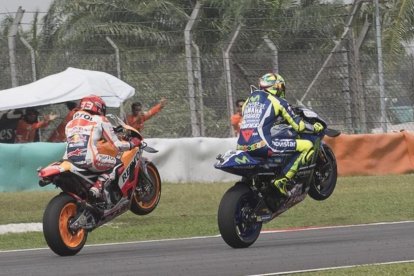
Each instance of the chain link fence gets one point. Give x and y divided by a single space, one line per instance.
345 93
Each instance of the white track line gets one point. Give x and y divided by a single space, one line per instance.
297 229
117 243
216 236
330 268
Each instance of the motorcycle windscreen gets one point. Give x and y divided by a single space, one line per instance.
237 162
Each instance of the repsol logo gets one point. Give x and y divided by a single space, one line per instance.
84 116
130 168
126 174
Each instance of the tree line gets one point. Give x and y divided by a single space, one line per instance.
150 37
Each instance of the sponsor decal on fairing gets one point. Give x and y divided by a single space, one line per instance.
284 143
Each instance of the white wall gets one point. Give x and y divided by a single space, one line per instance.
190 159
178 161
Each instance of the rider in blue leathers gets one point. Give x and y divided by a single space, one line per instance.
270 126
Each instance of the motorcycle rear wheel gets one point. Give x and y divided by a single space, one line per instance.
325 176
56 219
235 222
144 201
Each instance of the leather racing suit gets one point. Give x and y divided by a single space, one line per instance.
83 133
261 113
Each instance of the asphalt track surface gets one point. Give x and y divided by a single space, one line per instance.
272 253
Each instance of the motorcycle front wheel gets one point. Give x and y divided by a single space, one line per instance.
59 213
237 225
148 192
324 176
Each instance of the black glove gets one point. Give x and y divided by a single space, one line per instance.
317 127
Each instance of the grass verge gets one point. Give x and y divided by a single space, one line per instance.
187 210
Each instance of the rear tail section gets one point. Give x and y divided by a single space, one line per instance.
47 173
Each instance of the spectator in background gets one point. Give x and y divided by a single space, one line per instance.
8 124
236 118
59 134
138 116
28 126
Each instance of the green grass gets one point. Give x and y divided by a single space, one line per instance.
187 210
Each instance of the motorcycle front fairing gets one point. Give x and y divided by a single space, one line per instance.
237 162
121 128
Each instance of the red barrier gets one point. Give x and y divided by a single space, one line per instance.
373 154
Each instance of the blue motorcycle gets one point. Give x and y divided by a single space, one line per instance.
253 201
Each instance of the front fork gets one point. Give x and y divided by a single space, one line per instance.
317 149
143 188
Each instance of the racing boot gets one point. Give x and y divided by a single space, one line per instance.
281 186
96 190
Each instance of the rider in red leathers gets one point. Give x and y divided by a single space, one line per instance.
88 126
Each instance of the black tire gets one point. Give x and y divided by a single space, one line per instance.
235 229
144 201
56 218
324 176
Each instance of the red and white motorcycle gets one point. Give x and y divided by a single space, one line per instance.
71 215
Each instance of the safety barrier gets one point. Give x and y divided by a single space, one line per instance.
192 159
18 164
178 160
374 154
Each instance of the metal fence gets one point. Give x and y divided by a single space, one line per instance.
340 84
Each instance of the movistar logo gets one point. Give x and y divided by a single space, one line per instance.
254 98
242 160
